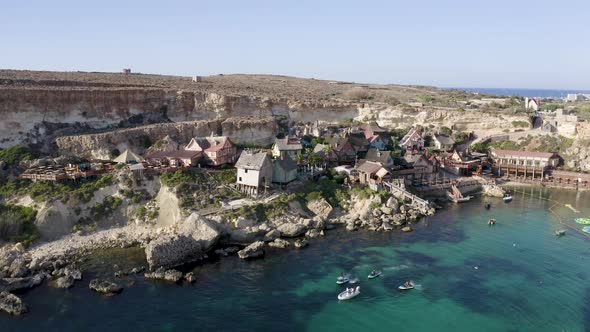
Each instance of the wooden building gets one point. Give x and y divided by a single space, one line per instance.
524 163
217 150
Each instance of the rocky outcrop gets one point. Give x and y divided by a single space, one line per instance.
492 190
279 243
254 250
12 304
291 229
320 207
105 287
172 250
14 284
166 275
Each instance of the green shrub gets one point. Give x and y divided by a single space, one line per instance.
17 224
13 155
141 212
106 207
521 124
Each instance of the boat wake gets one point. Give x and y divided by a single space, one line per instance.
397 267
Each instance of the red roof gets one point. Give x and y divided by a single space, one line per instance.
529 154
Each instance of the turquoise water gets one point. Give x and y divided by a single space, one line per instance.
515 276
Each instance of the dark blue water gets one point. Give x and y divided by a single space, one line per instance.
531 93
516 276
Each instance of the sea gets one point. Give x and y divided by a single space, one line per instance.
531 93
514 276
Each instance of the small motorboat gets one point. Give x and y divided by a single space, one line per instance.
492 222
353 281
586 229
374 274
349 293
583 221
507 198
343 279
560 232
406 286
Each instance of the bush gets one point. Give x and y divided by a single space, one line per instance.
13 155
17 224
141 212
521 124
106 207
357 94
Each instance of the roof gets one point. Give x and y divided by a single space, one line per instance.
382 172
409 135
358 140
182 154
288 144
286 164
526 154
128 156
253 161
211 143
444 139
136 167
338 143
369 167
412 158
375 155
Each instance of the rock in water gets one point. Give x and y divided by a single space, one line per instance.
254 250
272 235
105 287
407 229
291 230
279 243
64 282
190 277
12 304
12 284
201 230
172 275
172 250
301 243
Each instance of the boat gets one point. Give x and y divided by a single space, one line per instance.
404 287
343 279
583 221
586 229
560 232
492 222
374 274
507 198
349 293
488 205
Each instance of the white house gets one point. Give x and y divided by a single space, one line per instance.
443 142
287 147
412 140
532 103
254 172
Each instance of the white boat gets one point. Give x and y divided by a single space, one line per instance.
507 198
374 274
404 287
343 279
349 293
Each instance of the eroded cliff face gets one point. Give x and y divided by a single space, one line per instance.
100 145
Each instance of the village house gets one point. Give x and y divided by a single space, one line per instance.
524 163
373 129
443 142
288 146
372 174
461 163
413 140
175 158
359 142
284 170
255 172
325 152
217 150
382 157
343 150
417 167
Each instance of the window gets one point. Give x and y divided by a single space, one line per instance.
245 171
240 179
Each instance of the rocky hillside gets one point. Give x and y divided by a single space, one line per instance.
38 107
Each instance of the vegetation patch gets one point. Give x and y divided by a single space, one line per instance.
17 224
50 190
13 155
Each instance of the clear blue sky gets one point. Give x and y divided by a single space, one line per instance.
460 43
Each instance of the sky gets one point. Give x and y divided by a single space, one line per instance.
453 43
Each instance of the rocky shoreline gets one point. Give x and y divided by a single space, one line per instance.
191 240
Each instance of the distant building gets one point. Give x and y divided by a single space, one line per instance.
373 129
218 150
372 174
572 97
197 79
359 142
176 158
443 142
127 71
255 172
288 147
343 150
532 103
413 140
284 170
524 163
382 157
